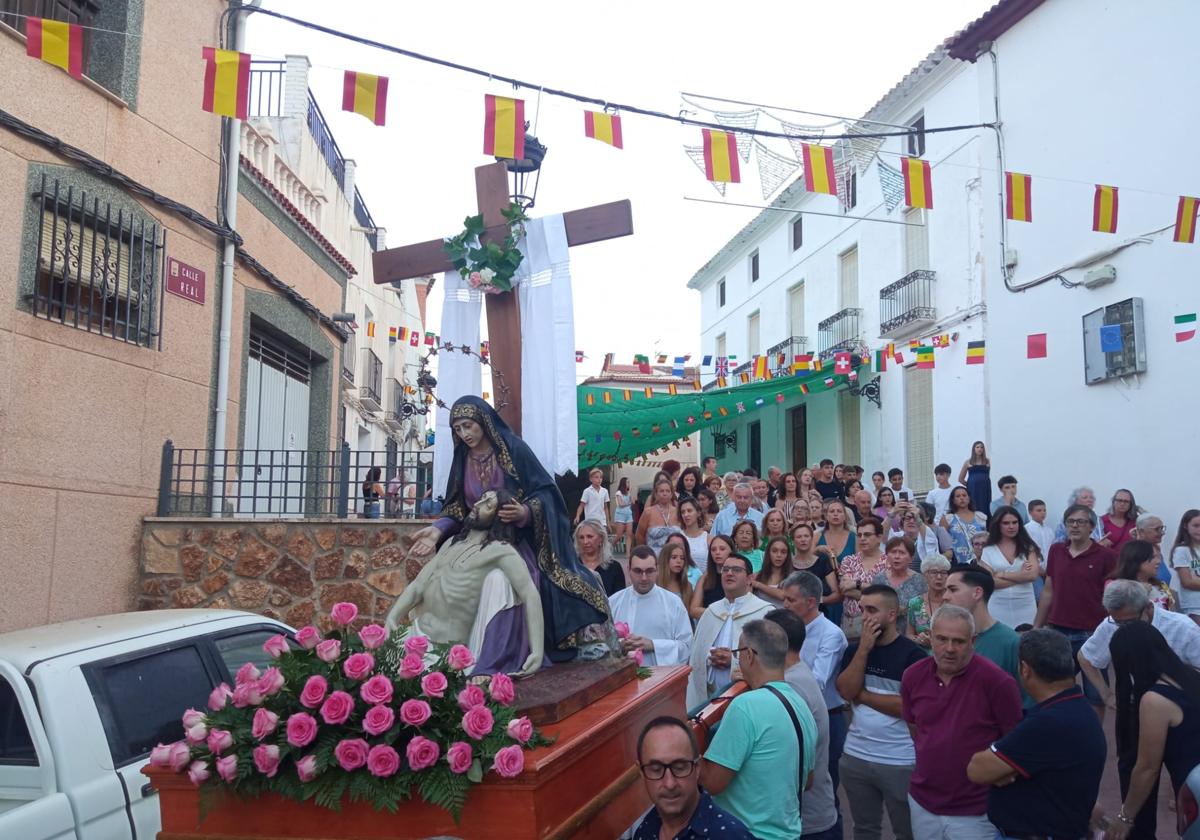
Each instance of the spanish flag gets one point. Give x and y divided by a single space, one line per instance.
626 394
590 399
649 392
720 156
975 352
227 82
1185 219
370 329
1104 209
1018 206
672 390
918 183
760 368
603 127
607 395
818 169
504 127
55 42
365 94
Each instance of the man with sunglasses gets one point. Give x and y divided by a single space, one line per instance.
668 756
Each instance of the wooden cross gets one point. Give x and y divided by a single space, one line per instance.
591 224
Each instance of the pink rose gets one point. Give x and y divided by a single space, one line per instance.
266 759
329 650
460 658
414 712
422 753
301 729
306 768
196 734
434 685
501 689
198 772
412 665
470 696
160 756
373 636
474 279
270 682
622 629
520 729
379 719
378 689
344 613
417 644
459 756
314 691
219 697
247 694
227 768
351 753
247 673
308 637
477 722
179 756
276 646
337 708
509 762
637 656
383 761
219 740
358 665
264 724
191 717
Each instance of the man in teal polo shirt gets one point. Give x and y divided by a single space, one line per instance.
755 764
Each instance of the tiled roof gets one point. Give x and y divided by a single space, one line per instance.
967 44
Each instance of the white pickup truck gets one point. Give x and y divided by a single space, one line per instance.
83 702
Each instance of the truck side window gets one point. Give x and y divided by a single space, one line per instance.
141 700
237 649
16 746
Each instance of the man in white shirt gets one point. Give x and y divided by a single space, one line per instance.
939 496
658 622
740 508
899 488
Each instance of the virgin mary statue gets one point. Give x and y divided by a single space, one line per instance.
489 456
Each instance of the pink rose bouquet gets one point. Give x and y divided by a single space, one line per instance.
622 629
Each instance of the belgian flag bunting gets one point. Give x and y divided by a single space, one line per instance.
603 127
226 83
365 94
1104 209
720 157
1018 205
55 42
1185 220
818 169
975 350
918 183
504 127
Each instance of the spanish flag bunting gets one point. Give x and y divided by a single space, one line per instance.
672 390
365 94
720 156
649 392
370 329
504 127
817 364
627 394
1104 209
744 377
925 357
975 352
56 42
226 82
918 183
590 399
429 339
891 350
880 361
723 411
760 368
818 169
607 397
707 415
1185 219
722 381
696 385
603 127
1018 205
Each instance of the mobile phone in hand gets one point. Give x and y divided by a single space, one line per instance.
904 495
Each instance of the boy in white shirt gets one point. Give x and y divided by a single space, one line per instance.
939 496
594 503
1043 536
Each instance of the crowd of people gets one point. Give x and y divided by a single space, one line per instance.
947 659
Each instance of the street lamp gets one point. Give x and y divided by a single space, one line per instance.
530 164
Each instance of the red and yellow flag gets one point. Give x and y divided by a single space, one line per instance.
504 127
1018 205
1104 209
55 42
365 94
918 183
818 169
720 157
227 83
1185 219
761 371
603 127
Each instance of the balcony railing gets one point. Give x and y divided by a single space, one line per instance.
349 355
393 414
363 216
266 88
840 331
906 306
370 393
323 137
782 355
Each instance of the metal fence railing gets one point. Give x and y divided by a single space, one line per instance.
838 332
266 88
907 302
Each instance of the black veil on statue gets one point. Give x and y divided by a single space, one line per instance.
571 597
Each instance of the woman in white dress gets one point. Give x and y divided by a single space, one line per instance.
1014 559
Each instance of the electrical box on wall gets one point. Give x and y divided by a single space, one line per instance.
1114 341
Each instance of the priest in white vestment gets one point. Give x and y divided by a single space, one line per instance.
718 630
658 622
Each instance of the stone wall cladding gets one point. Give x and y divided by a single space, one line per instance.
290 570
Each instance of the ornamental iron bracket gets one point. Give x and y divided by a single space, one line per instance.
728 439
869 390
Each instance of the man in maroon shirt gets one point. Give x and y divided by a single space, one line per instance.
1071 601
955 704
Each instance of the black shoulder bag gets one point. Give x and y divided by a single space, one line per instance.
800 738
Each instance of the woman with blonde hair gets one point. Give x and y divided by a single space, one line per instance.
673 565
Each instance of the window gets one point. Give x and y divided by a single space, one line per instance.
236 650
849 189
82 12
16 744
918 428
752 343
98 268
719 350
754 266
848 279
916 240
721 292
796 311
915 143
797 233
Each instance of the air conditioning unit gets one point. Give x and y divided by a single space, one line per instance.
1114 341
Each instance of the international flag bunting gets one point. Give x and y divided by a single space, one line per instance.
578 356
392 335
635 431
590 399
818 169
59 43
802 362
603 127
758 403
706 361
1104 209
880 361
760 368
696 384
925 358
723 411
1018 205
672 390
674 424
722 366
655 429
1185 327
707 415
485 349
677 368
643 363
414 339
841 363
662 358
365 94
817 364
226 82
940 341
899 357
891 350
744 377
649 392
852 376
607 395
616 435
1035 346
918 183
741 407
370 329
429 339
828 381
803 389
779 398
626 394
504 127
975 352
720 156
722 381
1185 219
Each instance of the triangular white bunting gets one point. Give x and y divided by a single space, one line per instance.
891 183
696 153
739 119
773 168
795 131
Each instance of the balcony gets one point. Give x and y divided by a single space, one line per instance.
782 355
906 306
349 354
393 415
370 393
838 332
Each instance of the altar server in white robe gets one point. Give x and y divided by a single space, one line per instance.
718 630
658 622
